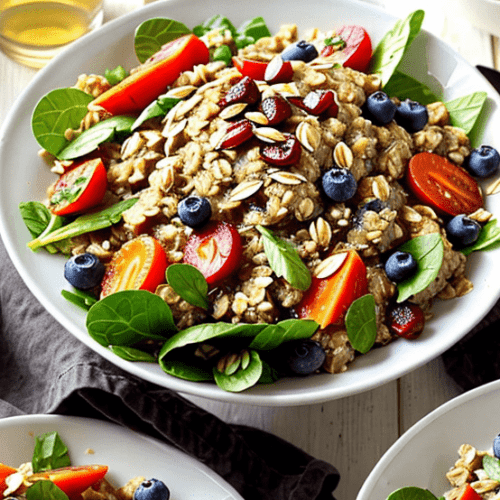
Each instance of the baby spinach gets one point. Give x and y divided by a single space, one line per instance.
115 75
244 377
80 298
195 372
411 493
361 323
464 111
290 329
159 107
189 283
404 86
50 452
45 490
251 31
223 53
126 317
132 354
213 23
284 260
428 251
492 467
488 239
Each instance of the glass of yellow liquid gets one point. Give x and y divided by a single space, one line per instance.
33 31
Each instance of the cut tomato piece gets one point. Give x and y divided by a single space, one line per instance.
215 251
250 68
5 471
140 264
151 79
467 492
447 188
327 299
80 188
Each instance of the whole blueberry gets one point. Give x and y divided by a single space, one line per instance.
84 271
483 161
304 356
379 108
194 211
496 446
462 231
411 115
152 489
339 184
300 51
400 266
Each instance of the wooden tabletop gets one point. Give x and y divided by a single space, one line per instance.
354 432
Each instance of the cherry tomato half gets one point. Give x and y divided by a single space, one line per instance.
467 492
252 69
215 251
447 188
5 471
79 189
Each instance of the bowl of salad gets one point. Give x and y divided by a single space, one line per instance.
253 211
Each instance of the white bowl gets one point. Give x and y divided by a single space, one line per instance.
24 177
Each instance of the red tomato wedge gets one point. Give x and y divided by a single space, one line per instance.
5 471
467 492
151 79
252 69
327 300
215 251
80 188
140 264
73 480
447 188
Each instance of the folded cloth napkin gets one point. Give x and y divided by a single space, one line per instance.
44 369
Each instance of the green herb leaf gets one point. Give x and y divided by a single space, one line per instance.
80 298
251 31
90 139
189 283
243 378
361 323
132 354
291 329
45 490
411 493
126 317
160 107
488 238
284 260
464 111
223 53
115 75
186 371
57 111
152 34
215 22
50 452
428 251
391 49
405 87
492 467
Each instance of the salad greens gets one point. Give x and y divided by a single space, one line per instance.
361 323
188 282
50 453
412 493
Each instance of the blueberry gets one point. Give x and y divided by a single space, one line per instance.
375 205
400 266
194 211
84 271
379 108
304 356
300 51
152 489
496 446
411 115
339 184
462 231
483 161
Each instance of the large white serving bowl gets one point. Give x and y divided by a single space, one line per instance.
127 454
423 455
24 177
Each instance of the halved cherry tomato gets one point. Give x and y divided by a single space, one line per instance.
215 251
140 264
72 480
447 188
5 471
467 492
143 86
327 300
80 188
252 69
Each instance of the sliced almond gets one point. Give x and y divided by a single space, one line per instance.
308 135
245 190
342 155
233 110
257 117
330 265
175 129
181 92
288 178
269 134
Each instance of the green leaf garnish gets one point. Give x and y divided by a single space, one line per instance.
152 34
115 75
361 323
492 467
132 354
411 493
251 31
213 23
284 260
189 283
405 87
246 374
45 490
464 111
223 53
159 107
336 41
291 329
488 238
192 371
428 251
80 298
50 452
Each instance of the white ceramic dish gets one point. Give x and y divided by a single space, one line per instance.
422 455
23 177
127 453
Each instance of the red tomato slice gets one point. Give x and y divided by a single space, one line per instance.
151 79
327 300
252 69
80 188
140 264
467 492
447 188
5 471
215 251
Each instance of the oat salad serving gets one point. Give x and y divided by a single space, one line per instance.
244 206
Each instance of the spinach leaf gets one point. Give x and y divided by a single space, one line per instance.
391 49
464 111
132 354
84 224
251 31
246 375
57 111
115 75
361 323
89 140
492 467
186 371
189 283
290 329
152 34
488 238
160 107
224 54
215 22
428 251
126 317
411 493
284 260
50 452
405 87
79 298
45 490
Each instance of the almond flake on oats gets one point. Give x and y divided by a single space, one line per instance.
381 188
257 117
321 232
175 129
411 215
269 134
342 155
232 110
286 89
493 188
181 92
308 136
288 178
481 215
245 190
186 106
330 265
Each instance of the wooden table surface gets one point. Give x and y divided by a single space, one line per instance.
354 432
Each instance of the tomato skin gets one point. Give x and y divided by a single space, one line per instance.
143 86
468 493
327 300
215 251
94 188
252 69
447 188
140 264
5 471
